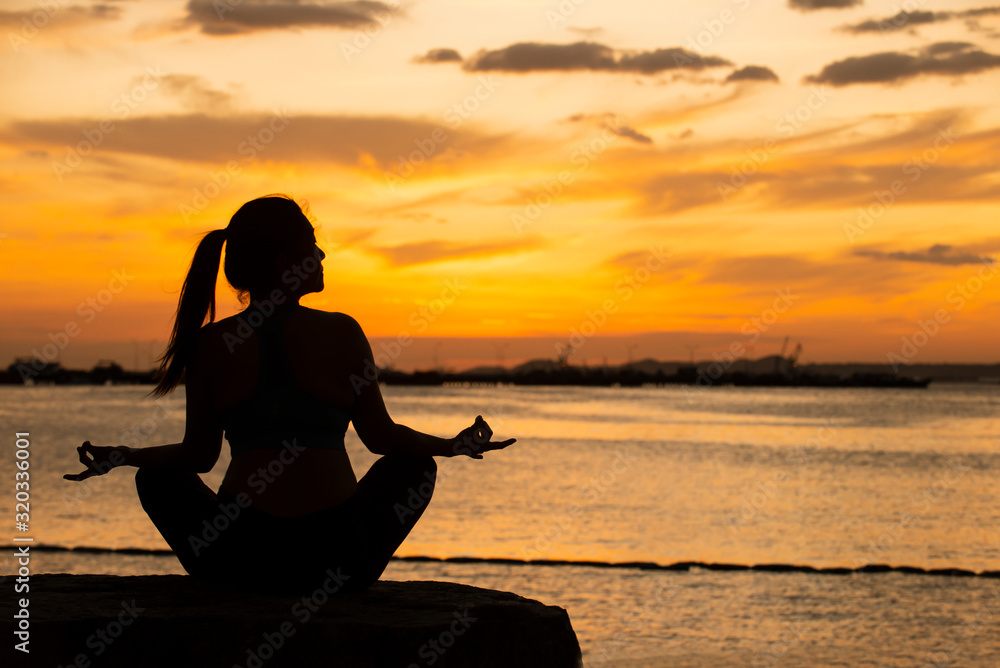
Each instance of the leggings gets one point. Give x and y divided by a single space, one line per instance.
218 538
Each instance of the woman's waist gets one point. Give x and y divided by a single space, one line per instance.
288 483
275 410
289 440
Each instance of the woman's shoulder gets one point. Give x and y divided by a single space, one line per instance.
332 318
325 324
340 328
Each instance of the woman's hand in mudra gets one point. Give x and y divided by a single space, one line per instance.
98 459
475 440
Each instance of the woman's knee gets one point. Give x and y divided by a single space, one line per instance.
158 486
148 481
427 465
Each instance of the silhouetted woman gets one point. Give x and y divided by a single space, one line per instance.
282 382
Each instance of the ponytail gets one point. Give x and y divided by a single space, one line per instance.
196 301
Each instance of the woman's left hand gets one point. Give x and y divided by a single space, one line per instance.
99 459
475 440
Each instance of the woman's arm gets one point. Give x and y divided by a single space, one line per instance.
384 437
199 450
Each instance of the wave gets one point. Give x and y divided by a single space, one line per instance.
634 565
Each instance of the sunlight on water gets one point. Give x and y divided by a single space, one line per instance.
805 476
819 477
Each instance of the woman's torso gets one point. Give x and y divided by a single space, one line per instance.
302 480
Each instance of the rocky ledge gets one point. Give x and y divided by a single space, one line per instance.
175 620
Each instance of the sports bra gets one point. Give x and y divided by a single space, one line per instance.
279 413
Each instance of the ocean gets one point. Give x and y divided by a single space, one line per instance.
608 489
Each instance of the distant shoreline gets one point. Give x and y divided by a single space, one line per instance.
773 371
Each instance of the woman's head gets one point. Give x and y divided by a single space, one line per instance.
271 253
271 245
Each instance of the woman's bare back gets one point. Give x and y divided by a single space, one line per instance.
322 356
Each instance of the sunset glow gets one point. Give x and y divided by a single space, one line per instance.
491 171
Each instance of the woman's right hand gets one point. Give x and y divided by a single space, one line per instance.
475 440
99 459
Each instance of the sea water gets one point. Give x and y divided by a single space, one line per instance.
825 478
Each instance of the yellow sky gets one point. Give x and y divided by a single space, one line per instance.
656 168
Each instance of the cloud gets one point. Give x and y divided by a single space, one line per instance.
905 19
237 17
439 56
856 186
535 57
670 193
811 172
900 21
61 17
806 275
350 140
196 94
526 57
936 254
941 59
614 124
423 252
632 259
632 133
813 5
420 217
753 73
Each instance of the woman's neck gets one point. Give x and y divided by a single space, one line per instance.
269 300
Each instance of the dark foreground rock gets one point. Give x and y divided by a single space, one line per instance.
174 620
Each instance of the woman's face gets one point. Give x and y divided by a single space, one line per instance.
312 265
302 268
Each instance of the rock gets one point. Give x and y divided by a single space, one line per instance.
178 621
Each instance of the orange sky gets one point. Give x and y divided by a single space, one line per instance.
526 172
